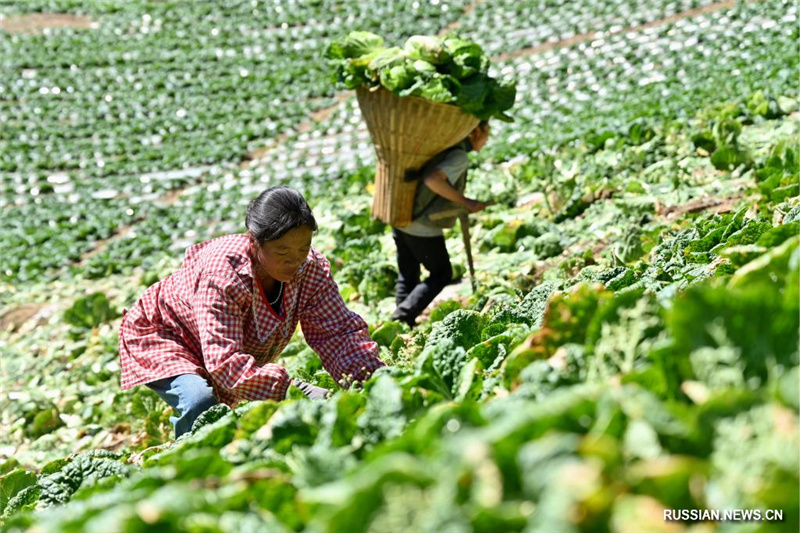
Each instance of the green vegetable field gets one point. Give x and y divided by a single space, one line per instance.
632 346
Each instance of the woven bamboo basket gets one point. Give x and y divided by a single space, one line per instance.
406 133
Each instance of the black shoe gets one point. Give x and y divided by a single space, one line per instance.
410 322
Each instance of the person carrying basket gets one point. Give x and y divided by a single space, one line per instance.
443 180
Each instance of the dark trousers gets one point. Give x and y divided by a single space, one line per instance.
413 296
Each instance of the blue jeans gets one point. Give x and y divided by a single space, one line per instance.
189 395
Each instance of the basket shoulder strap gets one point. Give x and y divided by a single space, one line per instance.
432 163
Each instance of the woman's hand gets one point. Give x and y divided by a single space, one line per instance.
312 391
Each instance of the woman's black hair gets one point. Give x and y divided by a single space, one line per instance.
277 211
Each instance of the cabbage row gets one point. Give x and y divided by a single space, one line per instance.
587 392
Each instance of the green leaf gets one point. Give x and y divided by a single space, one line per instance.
470 381
348 505
84 470
8 465
54 466
90 311
386 333
383 417
45 422
25 500
354 44
12 483
724 158
210 415
254 418
427 48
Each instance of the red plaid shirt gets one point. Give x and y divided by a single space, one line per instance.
210 318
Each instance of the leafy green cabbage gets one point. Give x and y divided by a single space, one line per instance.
447 70
354 44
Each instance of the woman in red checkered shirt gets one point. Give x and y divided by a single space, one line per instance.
209 332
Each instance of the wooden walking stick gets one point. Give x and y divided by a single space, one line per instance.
463 221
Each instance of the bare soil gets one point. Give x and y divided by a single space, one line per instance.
101 244
36 23
708 203
13 319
